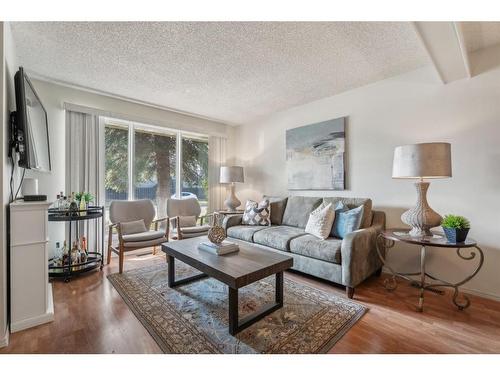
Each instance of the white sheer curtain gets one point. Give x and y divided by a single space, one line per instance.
216 158
83 169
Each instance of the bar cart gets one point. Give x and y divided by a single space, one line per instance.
93 259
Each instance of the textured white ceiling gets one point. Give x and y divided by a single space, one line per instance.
480 35
232 71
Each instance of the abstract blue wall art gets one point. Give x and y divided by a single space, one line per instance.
315 156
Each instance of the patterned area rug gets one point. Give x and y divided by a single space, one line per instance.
193 318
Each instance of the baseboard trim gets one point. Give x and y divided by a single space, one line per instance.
37 320
478 293
474 292
4 340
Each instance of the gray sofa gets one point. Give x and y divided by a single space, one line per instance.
347 261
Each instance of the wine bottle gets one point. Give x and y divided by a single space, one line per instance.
57 255
83 249
82 205
73 206
75 255
65 254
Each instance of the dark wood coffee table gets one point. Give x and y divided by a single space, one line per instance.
236 270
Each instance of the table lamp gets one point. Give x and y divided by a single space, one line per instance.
231 175
422 161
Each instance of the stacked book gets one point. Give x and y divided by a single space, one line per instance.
220 249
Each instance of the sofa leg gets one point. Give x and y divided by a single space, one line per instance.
378 272
349 292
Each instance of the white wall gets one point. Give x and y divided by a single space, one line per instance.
9 66
410 108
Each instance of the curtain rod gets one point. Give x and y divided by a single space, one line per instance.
121 116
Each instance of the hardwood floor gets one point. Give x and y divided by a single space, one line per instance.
392 325
90 317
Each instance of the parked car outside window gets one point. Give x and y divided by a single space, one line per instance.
185 195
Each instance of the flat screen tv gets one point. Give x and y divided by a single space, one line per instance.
31 130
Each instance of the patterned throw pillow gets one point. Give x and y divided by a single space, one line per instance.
346 220
320 221
257 213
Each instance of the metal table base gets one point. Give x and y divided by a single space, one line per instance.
460 300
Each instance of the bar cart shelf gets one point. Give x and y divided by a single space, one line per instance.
95 259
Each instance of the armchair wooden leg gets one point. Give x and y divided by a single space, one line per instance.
108 258
154 250
110 243
179 233
121 255
349 292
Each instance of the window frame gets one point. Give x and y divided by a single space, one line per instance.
132 126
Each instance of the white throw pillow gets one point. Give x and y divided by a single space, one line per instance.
320 221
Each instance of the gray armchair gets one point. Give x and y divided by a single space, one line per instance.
133 221
184 215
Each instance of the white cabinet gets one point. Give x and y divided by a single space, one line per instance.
31 293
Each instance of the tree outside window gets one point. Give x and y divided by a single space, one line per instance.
154 166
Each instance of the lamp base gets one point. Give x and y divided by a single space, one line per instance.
422 217
231 202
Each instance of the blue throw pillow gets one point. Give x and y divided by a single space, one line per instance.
346 220
339 208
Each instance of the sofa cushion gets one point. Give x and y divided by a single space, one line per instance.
144 244
298 209
366 219
244 232
193 229
277 237
278 206
144 236
313 247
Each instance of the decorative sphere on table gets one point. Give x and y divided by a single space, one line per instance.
216 234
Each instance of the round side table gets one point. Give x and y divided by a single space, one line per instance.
389 238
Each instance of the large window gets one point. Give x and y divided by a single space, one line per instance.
116 178
154 167
195 169
151 162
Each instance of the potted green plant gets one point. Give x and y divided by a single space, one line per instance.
88 197
455 228
78 196
84 198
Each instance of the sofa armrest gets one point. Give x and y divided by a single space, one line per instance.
359 253
231 221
